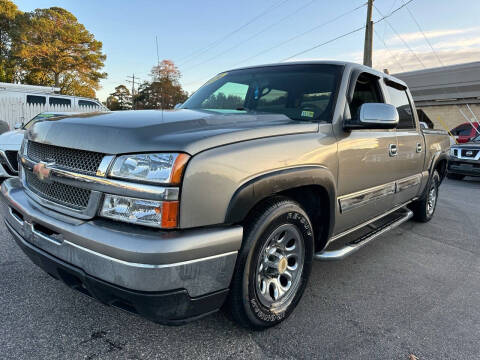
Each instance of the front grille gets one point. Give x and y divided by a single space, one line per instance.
81 161
62 194
12 158
469 153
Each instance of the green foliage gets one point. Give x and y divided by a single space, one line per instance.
49 47
164 92
8 15
121 99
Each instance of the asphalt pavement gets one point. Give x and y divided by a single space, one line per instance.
412 292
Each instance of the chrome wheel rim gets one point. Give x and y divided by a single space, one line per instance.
279 266
432 200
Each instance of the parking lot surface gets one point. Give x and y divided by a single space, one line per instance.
414 291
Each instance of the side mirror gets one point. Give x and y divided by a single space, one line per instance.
375 116
178 106
18 125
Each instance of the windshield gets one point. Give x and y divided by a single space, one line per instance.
477 139
301 92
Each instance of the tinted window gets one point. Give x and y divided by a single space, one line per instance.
230 95
35 99
301 92
465 132
461 129
366 91
87 103
59 101
399 99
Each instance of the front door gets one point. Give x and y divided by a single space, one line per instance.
367 170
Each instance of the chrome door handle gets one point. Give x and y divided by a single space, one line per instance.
392 149
419 148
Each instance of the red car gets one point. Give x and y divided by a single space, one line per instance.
465 132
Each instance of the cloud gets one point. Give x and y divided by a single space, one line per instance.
452 46
401 60
434 34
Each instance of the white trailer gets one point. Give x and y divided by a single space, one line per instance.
19 103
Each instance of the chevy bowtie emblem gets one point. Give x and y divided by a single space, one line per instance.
41 171
469 153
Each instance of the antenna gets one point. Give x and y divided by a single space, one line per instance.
156 42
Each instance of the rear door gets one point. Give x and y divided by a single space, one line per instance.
410 155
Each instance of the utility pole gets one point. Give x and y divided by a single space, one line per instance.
133 84
368 46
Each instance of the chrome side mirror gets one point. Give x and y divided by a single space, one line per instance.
18 125
375 116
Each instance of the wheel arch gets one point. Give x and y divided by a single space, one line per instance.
303 184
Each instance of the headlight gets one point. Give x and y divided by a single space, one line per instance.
161 214
154 168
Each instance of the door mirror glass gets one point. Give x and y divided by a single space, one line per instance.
375 116
18 126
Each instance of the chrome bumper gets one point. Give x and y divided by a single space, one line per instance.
200 261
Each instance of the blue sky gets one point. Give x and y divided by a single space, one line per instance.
128 29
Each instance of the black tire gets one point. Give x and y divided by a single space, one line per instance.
422 211
455 176
245 301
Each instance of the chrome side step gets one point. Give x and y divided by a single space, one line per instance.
353 246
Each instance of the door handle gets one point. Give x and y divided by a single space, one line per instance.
419 148
392 149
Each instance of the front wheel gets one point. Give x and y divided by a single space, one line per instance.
424 208
273 265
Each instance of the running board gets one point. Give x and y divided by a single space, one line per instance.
352 246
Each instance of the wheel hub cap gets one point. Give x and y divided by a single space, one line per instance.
280 266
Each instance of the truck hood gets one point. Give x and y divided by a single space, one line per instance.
181 130
14 137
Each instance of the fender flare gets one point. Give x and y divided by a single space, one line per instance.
263 186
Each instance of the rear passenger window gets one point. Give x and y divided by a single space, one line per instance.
399 99
59 101
86 103
35 99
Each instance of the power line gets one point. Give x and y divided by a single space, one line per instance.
388 50
197 53
324 43
254 35
424 36
395 31
302 34
346 34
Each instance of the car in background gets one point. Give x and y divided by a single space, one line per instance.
465 132
464 160
11 141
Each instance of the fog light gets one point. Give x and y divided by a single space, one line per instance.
140 211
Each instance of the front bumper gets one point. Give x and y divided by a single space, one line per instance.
464 167
155 266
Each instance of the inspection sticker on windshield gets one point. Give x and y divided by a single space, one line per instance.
309 114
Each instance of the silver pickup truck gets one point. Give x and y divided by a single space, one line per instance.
230 198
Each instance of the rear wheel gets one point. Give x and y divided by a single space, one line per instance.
424 208
273 264
455 176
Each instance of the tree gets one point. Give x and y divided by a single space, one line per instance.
8 15
165 91
54 49
120 99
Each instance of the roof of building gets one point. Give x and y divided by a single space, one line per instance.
452 84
